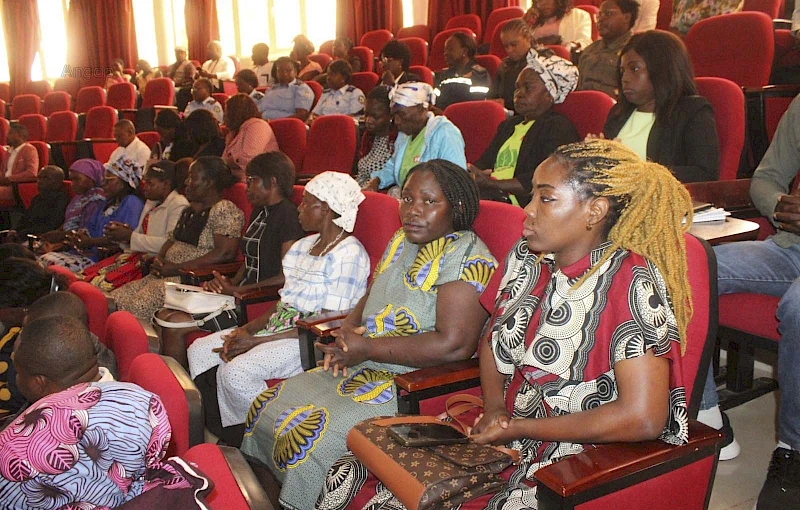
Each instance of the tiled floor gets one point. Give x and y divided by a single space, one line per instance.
739 481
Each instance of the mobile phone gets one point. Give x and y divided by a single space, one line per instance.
426 434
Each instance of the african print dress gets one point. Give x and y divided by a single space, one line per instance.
557 347
298 427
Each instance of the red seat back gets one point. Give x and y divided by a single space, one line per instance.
62 271
751 313
498 15
43 150
25 104
221 98
36 125
181 398
291 136
421 31
337 133
127 339
376 39
159 92
58 101
327 48
229 87
151 138
5 92
100 122
587 110
41 88
4 125
323 59
238 196
227 493
559 50
771 8
121 96
297 194
727 99
317 89
478 121
664 16
490 62
711 48
364 81
470 21
96 306
89 97
496 46
418 48
436 61
366 56
61 126
424 73
594 12
69 85
377 221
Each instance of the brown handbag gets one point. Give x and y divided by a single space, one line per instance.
426 477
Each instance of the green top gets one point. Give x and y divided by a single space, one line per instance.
507 156
411 155
636 131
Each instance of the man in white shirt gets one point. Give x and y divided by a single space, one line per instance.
201 92
261 64
217 67
129 144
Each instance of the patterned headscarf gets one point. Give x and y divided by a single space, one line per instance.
127 170
559 75
412 93
91 168
342 194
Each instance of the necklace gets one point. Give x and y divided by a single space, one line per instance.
329 246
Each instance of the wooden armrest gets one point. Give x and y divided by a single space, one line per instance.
321 317
597 466
127 110
258 293
782 23
165 107
731 195
98 140
440 375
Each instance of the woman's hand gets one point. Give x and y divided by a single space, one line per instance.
372 184
78 239
349 349
492 427
593 136
483 178
162 268
118 232
220 284
237 342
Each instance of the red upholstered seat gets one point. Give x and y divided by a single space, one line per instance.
121 96
235 485
68 275
376 39
424 73
323 59
25 104
337 134
478 121
317 89
364 81
163 376
771 8
418 48
727 99
751 313
41 88
421 31
127 339
559 50
366 55
43 150
587 110
238 195
4 125
327 48
151 138
36 125
96 306
221 98
61 126
89 97
496 46
378 219
664 16
490 62
711 48
470 21
5 92
593 11
100 122
58 101
69 85
159 92
496 16
436 61
229 87
291 136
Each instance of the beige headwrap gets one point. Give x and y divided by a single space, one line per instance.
342 194
560 76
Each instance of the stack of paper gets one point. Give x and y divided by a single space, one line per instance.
710 214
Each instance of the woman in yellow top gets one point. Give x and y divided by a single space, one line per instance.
504 170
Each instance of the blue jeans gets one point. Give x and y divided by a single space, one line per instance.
763 267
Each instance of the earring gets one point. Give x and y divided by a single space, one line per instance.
589 226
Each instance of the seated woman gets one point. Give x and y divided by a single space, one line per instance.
248 134
422 309
377 142
202 137
117 74
158 219
423 135
463 79
504 170
302 48
558 22
342 48
341 97
560 368
207 233
144 73
273 229
659 114
324 272
516 37
174 143
122 205
395 58
288 96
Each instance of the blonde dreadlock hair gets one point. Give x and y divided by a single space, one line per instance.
647 209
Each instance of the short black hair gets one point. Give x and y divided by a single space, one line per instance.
20 129
342 67
468 42
381 95
8 250
283 60
458 187
61 303
168 171
248 76
205 82
168 119
274 164
215 168
201 126
23 281
348 43
398 50
629 7
57 347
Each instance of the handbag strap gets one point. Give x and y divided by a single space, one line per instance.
188 324
460 404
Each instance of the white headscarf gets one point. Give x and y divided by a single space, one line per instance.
342 194
412 93
559 75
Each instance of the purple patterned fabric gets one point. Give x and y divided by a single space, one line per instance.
90 446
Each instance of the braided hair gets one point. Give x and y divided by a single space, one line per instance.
458 187
647 207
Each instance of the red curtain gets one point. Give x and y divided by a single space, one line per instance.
441 11
97 33
21 23
202 26
355 17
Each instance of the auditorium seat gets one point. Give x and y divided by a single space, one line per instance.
126 338
559 50
96 306
61 126
151 138
238 195
89 97
221 98
337 135
25 104
771 8
364 81
587 110
5 92
323 59
376 39
58 101
436 61
421 31
367 57
317 89
496 46
470 21
36 125
100 122
477 121
159 92
418 48
664 16
291 136
424 73
490 62
327 48
69 85
43 150
498 15
594 12
4 124
40 88
121 96
727 100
